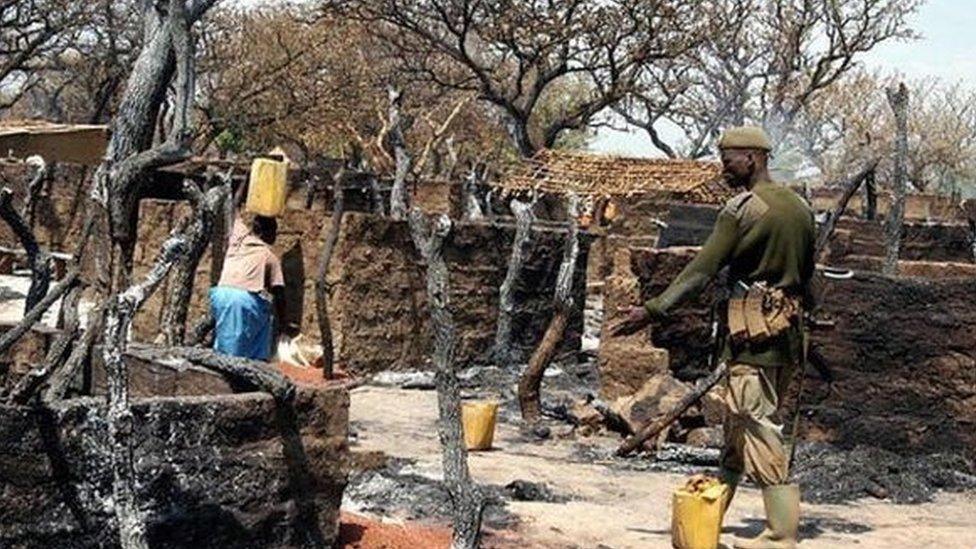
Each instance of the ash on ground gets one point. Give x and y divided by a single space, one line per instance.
396 489
828 474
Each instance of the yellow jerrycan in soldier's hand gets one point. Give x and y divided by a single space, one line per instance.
268 187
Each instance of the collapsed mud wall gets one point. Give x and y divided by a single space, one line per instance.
219 471
902 356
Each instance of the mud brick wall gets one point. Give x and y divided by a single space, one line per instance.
378 298
856 238
60 209
379 295
217 471
903 356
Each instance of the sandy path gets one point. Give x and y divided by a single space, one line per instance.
619 508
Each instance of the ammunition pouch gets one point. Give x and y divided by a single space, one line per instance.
758 313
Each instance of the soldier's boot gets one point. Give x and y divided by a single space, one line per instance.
731 479
782 504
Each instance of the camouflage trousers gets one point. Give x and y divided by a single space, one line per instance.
754 441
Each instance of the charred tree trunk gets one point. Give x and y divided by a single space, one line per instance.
206 208
870 198
398 194
222 227
167 49
898 99
531 381
321 281
129 519
38 258
428 236
503 351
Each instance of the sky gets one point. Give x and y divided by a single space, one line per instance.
946 50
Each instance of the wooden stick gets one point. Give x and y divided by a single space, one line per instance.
34 315
653 428
850 188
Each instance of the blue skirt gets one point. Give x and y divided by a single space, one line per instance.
243 323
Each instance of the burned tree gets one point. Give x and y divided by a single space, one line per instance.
531 381
398 195
428 236
129 520
206 208
321 282
503 350
898 99
39 259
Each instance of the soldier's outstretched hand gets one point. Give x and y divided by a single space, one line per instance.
636 319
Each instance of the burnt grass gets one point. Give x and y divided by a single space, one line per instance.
393 490
828 474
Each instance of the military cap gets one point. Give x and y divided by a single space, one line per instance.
745 137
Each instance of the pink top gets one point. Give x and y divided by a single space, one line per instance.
250 264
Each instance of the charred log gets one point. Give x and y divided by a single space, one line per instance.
428 236
243 372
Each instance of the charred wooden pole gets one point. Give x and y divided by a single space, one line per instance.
39 260
398 194
428 236
651 429
870 197
898 100
34 189
472 209
34 315
503 351
531 381
28 385
129 520
321 281
850 188
206 208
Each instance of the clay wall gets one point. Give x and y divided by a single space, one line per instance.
212 471
902 355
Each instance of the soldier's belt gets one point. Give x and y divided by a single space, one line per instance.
757 312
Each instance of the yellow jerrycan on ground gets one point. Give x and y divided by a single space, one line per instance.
478 419
696 513
268 187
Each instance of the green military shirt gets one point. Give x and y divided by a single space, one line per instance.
764 234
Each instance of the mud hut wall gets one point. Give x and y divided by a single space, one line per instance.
918 207
903 355
60 209
379 297
221 471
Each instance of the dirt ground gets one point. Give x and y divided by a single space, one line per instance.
612 506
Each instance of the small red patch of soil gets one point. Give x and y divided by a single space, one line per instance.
310 376
359 532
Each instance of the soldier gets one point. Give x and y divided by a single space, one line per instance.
765 235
